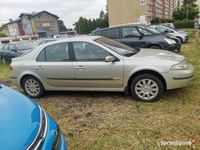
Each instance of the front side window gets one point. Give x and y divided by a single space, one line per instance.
129 32
54 53
89 52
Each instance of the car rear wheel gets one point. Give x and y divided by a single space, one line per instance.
147 87
33 87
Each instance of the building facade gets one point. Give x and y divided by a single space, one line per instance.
42 23
15 27
139 11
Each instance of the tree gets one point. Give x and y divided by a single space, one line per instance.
190 2
62 27
86 26
189 10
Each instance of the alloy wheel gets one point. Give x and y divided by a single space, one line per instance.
32 87
146 89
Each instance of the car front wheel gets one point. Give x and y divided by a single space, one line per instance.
147 87
32 87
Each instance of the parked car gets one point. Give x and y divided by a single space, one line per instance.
181 35
1 46
12 50
139 37
44 41
100 64
24 125
170 25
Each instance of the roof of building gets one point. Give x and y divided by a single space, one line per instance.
36 14
13 21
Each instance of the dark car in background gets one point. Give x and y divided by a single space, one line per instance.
12 50
140 37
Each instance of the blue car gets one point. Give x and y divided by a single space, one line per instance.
24 125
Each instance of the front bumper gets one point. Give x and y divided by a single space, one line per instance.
174 48
179 78
186 39
50 137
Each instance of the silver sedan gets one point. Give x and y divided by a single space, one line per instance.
100 64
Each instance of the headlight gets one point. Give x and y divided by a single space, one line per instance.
181 66
170 41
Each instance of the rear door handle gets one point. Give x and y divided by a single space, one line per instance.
80 68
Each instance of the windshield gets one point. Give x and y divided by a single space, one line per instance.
147 31
25 46
117 47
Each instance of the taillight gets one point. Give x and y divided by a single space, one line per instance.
10 68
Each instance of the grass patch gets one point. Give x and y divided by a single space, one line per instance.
4 72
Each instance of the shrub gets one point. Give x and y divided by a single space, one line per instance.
2 35
184 24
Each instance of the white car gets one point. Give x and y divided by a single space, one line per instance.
181 35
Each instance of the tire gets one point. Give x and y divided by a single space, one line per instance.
32 87
147 88
155 47
181 40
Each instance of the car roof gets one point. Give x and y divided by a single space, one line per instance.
81 38
118 26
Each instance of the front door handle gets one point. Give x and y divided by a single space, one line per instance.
80 68
39 68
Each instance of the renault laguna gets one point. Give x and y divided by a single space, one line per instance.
95 63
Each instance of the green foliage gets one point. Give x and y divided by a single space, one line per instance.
86 26
2 35
190 2
184 24
62 27
155 20
189 11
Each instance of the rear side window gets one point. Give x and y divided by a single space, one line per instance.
54 53
129 32
112 33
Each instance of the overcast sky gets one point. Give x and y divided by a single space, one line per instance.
68 10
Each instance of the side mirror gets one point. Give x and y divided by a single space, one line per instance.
110 59
141 36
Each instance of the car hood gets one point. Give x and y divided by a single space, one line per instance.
159 56
19 120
